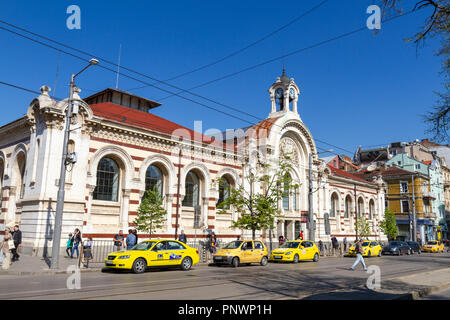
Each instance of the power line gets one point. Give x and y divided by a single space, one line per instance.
182 90
243 48
290 54
149 84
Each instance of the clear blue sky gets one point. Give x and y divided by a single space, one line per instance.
365 89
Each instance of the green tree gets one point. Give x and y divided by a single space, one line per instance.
258 210
151 214
388 225
362 227
436 25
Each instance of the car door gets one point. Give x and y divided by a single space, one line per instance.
246 252
258 251
374 248
307 251
159 255
175 252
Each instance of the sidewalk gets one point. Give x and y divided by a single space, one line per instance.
29 266
412 287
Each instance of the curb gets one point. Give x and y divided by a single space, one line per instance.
44 272
417 294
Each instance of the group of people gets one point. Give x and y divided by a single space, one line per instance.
128 242
73 244
12 242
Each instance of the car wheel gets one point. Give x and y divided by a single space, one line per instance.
186 264
316 257
296 258
235 262
264 261
139 265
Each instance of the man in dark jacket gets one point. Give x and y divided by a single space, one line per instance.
182 237
17 237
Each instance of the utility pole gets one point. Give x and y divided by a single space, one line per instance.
311 214
178 196
356 211
414 211
62 176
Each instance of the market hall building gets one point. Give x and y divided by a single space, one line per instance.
122 149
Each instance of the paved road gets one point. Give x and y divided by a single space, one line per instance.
327 279
441 295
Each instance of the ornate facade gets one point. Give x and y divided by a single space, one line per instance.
122 150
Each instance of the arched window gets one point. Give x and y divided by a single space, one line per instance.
107 187
224 191
371 209
360 207
19 168
192 186
286 192
154 177
334 205
348 206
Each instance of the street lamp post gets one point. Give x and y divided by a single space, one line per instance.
62 175
311 224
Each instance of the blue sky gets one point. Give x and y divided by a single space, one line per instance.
364 89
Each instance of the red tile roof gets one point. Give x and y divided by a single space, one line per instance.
150 122
346 174
262 128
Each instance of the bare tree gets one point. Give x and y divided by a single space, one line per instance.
436 25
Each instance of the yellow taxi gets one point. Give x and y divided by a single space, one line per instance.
296 250
370 248
154 253
433 246
242 252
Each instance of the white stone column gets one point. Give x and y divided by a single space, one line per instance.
11 213
89 227
125 207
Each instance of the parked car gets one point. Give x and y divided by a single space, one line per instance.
294 251
239 252
396 248
370 248
433 246
154 253
414 247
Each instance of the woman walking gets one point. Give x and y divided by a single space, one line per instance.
76 240
6 251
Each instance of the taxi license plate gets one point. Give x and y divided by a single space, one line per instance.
278 257
109 262
218 258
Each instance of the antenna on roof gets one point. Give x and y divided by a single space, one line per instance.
57 72
118 67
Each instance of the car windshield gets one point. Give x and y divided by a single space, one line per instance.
233 245
365 244
143 245
394 243
290 244
432 242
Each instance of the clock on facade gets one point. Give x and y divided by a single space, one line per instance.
292 93
279 93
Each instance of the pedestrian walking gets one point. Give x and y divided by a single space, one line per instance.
359 257
88 247
334 244
131 239
136 235
182 237
5 253
119 242
76 240
69 245
345 244
300 236
17 238
212 243
321 247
